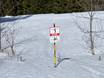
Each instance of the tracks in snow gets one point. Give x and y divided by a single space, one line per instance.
95 73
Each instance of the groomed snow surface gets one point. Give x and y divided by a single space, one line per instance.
37 52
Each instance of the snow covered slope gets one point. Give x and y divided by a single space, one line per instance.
37 52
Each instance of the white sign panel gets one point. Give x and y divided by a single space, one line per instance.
54 34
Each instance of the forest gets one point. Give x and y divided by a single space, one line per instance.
23 7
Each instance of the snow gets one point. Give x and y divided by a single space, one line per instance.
37 52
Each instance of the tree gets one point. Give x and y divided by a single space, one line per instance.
5 31
91 7
10 38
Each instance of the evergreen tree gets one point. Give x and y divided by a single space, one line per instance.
19 7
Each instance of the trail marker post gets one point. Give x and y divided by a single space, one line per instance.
54 38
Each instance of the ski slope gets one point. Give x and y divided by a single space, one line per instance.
37 52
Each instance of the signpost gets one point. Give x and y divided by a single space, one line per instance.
54 38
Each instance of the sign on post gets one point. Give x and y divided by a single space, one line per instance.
54 34
54 37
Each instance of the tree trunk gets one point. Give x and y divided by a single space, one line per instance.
91 36
12 49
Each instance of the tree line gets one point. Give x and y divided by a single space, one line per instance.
21 7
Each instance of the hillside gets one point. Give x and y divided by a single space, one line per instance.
37 51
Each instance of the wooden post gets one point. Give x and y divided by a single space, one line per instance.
55 58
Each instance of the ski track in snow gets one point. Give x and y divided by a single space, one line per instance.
95 73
